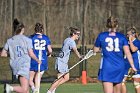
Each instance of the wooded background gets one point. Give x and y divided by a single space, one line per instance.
56 15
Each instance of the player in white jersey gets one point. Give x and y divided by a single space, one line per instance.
61 64
20 49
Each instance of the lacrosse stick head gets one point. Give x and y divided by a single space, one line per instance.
89 54
58 54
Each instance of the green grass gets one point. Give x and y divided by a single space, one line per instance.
92 70
77 88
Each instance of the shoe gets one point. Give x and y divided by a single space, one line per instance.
49 91
7 88
54 90
35 91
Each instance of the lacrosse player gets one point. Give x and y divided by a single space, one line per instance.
134 44
42 48
61 64
20 50
113 45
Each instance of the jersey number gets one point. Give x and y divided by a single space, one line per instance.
113 45
19 51
39 44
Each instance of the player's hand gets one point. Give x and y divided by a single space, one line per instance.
50 55
81 57
130 38
134 69
39 62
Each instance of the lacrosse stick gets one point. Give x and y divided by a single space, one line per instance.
58 54
88 55
38 82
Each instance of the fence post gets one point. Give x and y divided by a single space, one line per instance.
83 66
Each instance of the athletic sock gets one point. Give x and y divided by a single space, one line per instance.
54 90
49 91
11 88
33 88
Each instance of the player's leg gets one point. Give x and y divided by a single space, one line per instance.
108 87
31 80
24 88
117 88
123 85
36 78
64 79
54 85
58 82
24 84
136 82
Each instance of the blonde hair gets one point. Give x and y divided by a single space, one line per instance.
133 31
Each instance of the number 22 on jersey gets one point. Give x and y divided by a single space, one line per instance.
113 44
39 44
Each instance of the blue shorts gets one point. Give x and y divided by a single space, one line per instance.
34 66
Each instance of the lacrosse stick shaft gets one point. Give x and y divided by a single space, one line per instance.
88 55
76 64
68 70
38 82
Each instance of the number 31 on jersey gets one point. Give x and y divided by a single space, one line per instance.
113 44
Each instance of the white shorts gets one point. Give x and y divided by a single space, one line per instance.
21 69
61 66
136 76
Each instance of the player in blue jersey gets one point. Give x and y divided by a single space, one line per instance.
61 64
20 49
134 44
113 45
41 44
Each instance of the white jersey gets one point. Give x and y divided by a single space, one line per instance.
62 63
18 47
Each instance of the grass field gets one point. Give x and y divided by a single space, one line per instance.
77 88
92 70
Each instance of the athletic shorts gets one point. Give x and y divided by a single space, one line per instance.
136 76
21 69
61 66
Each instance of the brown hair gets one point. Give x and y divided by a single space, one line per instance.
17 26
73 30
112 22
38 27
133 31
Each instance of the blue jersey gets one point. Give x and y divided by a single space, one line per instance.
112 69
136 55
40 43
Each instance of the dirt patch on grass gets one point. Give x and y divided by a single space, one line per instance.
79 80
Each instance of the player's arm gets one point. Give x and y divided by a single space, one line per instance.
132 46
96 49
129 57
76 52
49 50
4 53
33 56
